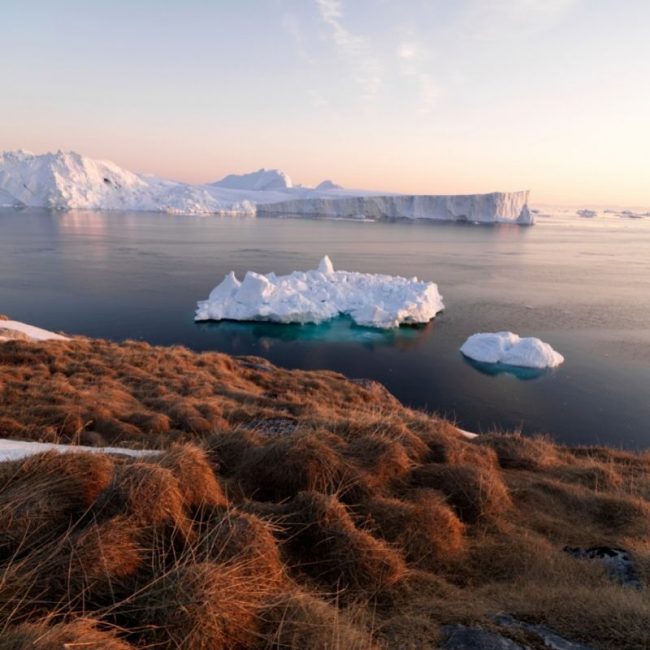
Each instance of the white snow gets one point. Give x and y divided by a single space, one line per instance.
13 329
509 349
262 179
315 296
66 180
17 449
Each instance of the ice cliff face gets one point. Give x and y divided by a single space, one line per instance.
66 180
502 207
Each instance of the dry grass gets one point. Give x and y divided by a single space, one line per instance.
290 510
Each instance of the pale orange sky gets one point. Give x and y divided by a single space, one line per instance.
446 96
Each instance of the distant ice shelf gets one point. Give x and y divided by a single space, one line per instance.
511 350
68 181
495 207
371 300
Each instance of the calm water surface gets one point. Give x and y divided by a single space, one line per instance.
583 285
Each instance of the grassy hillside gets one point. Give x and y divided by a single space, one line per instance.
291 509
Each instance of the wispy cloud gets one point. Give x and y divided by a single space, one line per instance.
363 66
415 63
491 19
292 26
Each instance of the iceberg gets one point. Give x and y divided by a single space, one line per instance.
67 180
314 296
262 179
509 349
495 207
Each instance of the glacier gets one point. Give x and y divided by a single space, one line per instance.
511 350
314 296
67 181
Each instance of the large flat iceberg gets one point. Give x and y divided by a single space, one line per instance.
318 295
67 180
495 207
509 349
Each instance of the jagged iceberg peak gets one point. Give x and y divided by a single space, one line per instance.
325 265
328 185
511 350
371 300
262 179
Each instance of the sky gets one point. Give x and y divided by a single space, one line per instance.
417 96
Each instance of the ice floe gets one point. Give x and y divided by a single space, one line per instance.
314 296
509 349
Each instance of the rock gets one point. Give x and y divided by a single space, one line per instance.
550 638
273 427
375 387
460 637
617 562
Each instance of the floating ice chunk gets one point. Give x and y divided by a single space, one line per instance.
509 349
586 213
315 296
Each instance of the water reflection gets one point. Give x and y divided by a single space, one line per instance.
337 330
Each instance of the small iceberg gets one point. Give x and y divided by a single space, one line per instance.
511 350
370 300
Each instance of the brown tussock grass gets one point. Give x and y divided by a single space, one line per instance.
475 492
425 528
299 619
291 509
323 541
228 536
78 634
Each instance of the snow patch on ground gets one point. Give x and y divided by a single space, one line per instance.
371 300
509 349
12 329
17 449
